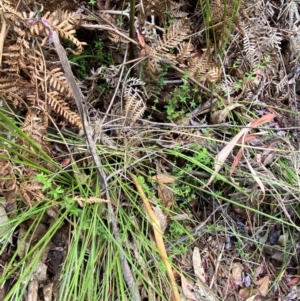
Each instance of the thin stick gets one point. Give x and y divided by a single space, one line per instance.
127 274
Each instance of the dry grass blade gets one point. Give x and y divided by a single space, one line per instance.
158 238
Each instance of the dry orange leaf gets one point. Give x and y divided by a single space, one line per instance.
293 281
141 39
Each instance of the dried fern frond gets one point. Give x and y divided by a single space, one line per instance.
56 102
153 63
10 13
31 193
117 38
184 53
15 56
90 200
64 23
35 125
204 68
174 35
134 81
155 7
58 82
134 104
8 182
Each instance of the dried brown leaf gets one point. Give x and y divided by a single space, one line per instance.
166 194
220 116
237 270
163 179
253 298
197 265
161 217
263 285
187 289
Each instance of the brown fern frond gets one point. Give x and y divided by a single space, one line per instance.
153 63
200 65
67 31
8 182
135 106
117 38
184 53
35 125
57 81
13 89
14 56
62 108
64 23
10 13
156 8
204 68
31 193
10 83
174 35
213 74
90 200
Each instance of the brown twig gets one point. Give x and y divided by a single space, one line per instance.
158 238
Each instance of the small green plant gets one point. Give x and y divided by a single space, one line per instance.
182 100
210 229
239 84
56 192
185 189
250 75
92 54
92 2
156 101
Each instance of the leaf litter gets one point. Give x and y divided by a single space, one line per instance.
239 208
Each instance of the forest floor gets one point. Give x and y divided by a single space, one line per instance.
149 150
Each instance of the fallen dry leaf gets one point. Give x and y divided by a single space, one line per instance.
263 285
47 290
187 289
261 291
220 116
245 293
225 152
163 179
254 298
237 270
32 293
166 195
293 281
161 217
197 265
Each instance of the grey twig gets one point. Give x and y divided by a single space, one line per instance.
127 274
